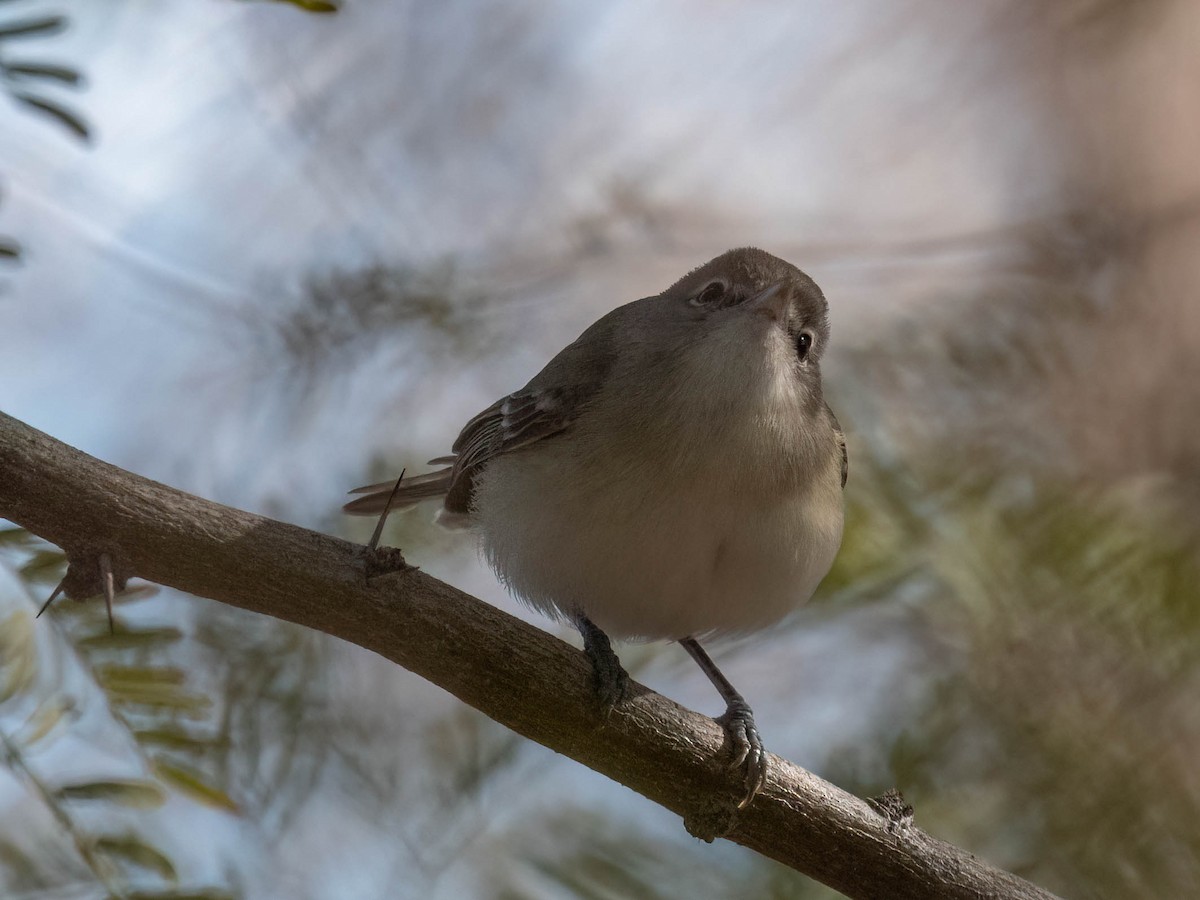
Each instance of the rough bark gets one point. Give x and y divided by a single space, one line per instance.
518 675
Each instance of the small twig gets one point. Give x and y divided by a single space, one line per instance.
387 508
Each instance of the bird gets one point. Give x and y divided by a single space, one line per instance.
673 474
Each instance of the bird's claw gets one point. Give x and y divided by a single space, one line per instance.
611 686
747 748
610 681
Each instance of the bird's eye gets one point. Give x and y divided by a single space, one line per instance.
803 344
712 292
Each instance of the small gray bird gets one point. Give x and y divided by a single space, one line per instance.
673 474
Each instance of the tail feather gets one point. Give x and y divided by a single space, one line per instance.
411 491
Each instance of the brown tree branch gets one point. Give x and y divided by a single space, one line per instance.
518 675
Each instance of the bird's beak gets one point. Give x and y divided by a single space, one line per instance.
772 302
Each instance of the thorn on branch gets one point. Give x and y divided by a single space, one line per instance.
387 508
382 560
92 573
106 576
46 605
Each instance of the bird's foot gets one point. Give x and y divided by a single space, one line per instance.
610 681
611 685
747 748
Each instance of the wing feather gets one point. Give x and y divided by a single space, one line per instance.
411 491
546 406
840 437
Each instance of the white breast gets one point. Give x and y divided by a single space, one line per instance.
694 534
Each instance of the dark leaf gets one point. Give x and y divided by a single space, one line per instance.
133 850
34 27
314 6
130 639
15 537
190 782
139 676
43 721
64 116
9 249
175 738
41 70
163 697
44 565
139 794
18 658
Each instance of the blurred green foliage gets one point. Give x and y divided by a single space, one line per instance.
339 317
314 6
1068 721
32 83
144 693
1061 611
1058 737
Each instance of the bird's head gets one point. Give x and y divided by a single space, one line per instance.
756 298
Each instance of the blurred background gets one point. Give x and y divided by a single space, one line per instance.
266 253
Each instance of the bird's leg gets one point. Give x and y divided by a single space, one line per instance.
609 678
738 722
